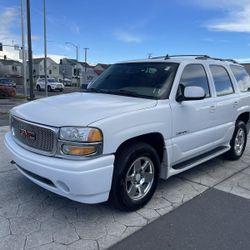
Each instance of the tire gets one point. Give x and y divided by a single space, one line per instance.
136 174
238 141
38 88
49 89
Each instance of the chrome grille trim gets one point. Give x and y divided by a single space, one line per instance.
46 137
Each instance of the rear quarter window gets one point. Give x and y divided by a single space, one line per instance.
242 77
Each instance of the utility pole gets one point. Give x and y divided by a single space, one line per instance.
85 64
85 56
45 48
77 53
76 47
29 50
23 51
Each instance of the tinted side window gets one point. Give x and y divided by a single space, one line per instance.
242 77
222 81
195 75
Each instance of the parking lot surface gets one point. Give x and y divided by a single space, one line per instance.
33 218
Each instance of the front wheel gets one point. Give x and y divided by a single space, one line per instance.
49 89
238 141
136 172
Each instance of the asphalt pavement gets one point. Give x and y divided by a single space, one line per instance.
212 220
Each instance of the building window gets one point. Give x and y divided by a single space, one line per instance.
14 68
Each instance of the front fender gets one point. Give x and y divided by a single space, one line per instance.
118 129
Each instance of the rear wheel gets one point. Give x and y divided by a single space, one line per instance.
238 141
49 88
136 172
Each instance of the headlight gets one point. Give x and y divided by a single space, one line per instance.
80 134
80 141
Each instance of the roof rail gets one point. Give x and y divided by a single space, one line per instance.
223 60
198 57
170 56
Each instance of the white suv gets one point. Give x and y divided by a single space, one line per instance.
140 120
52 84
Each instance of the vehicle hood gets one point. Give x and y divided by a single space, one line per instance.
78 109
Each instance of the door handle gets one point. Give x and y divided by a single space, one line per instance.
212 108
235 104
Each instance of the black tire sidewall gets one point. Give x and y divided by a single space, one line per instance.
123 161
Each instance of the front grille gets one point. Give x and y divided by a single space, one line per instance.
33 135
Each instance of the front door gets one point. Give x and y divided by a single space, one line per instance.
193 121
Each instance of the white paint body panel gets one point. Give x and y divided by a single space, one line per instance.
78 109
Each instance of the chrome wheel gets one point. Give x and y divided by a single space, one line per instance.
239 141
139 178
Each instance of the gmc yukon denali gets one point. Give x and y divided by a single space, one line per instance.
138 122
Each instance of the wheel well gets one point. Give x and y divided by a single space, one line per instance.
243 117
153 139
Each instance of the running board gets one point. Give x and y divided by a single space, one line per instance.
200 159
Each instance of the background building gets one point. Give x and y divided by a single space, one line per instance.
11 69
38 68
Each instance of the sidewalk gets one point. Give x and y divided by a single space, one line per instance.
6 104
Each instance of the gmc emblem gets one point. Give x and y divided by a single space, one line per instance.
27 134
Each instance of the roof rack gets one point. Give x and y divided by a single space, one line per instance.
171 56
198 57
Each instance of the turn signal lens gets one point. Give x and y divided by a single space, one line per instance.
94 135
78 150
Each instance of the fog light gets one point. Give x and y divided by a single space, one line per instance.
78 150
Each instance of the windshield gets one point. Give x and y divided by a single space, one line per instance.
6 81
147 80
51 80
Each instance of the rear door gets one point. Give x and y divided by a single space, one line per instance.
226 104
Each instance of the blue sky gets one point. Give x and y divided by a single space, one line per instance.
120 30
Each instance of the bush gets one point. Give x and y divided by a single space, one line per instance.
7 91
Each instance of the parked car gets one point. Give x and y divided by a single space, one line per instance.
52 84
138 122
84 86
7 91
7 82
67 82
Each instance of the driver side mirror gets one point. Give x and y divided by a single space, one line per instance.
191 93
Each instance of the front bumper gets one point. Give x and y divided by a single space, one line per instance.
57 87
87 181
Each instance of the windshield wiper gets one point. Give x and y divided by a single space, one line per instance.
118 92
124 92
130 93
95 90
